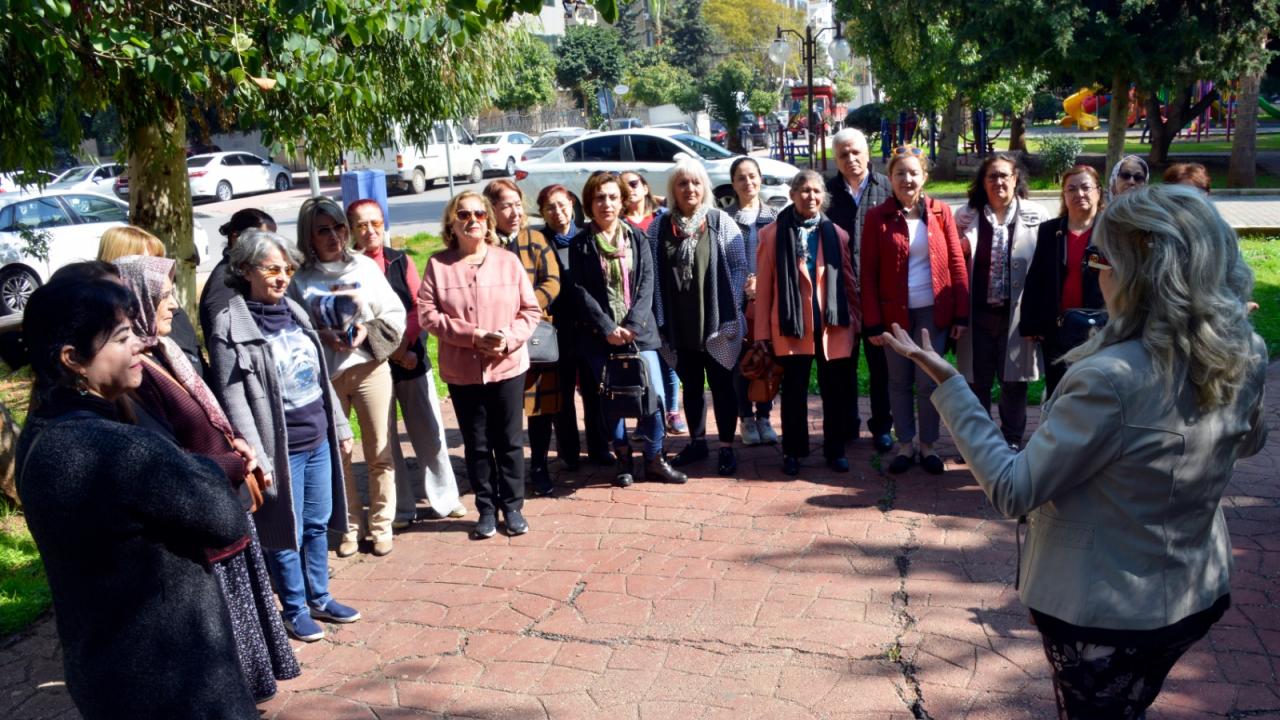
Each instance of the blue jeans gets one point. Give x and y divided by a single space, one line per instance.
670 386
651 428
302 576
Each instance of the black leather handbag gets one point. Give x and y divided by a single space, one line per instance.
625 390
544 347
1077 325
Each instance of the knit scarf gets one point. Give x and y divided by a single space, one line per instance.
145 276
687 231
790 247
613 254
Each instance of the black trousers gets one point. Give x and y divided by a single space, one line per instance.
990 338
491 418
592 417
834 377
691 366
881 420
1053 349
564 422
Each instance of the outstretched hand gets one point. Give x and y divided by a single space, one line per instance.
931 362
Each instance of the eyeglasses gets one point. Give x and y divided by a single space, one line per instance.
1096 260
635 183
272 271
1136 177
466 215
998 176
1079 189
908 150
366 224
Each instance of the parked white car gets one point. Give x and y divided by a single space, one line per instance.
87 178
416 169
223 175
652 152
74 222
499 151
17 182
551 139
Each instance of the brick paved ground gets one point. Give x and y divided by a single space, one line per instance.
832 596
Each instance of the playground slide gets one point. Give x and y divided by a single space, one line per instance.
1074 107
1269 109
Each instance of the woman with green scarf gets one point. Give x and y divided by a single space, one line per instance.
612 272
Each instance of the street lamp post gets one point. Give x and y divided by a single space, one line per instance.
838 49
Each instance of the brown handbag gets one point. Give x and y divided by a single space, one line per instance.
765 375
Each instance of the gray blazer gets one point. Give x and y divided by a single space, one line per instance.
244 378
1122 485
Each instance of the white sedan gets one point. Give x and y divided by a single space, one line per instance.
224 175
498 151
652 152
73 223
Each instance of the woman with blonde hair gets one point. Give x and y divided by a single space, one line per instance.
1128 560
125 240
361 322
476 299
700 269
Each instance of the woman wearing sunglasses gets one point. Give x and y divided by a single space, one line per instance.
1059 280
700 270
613 276
914 275
270 373
999 226
477 300
1128 174
1128 557
356 351
411 374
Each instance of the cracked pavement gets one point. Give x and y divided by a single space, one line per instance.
853 596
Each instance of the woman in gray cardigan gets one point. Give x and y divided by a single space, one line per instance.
1128 558
269 371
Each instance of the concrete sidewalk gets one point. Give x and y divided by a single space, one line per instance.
857 596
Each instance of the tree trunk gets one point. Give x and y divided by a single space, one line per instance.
1117 120
8 458
1177 114
159 192
948 139
1243 169
1018 130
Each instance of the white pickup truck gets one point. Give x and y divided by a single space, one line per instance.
417 169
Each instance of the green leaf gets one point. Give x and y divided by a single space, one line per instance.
241 42
238 75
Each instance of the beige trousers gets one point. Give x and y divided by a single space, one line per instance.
369 388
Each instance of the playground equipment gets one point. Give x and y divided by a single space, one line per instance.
1269 109
1074 106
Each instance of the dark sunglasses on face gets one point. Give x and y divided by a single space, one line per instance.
1096 260
466 215
1136 177
634 183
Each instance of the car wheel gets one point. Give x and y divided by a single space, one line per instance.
477 173
419 182
511 166
16 286
224 191
282 182
725 196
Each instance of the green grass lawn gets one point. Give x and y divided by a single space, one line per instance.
1262 252
24 591
1265 141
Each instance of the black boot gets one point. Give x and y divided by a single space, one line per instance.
624 465
658 469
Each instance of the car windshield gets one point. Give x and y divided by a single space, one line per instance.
76 174
487 139
198 161
706 150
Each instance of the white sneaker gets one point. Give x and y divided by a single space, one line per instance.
767 435
750 433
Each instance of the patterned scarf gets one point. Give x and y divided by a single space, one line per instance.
998 277
613 254
146 277
688 230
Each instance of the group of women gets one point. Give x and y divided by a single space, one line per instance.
175 500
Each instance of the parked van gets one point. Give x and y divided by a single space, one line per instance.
417 169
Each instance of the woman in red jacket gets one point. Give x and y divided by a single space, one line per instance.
913 275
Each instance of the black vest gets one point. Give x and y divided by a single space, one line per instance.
395 272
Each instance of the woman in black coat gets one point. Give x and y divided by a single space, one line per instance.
1059 279
123 520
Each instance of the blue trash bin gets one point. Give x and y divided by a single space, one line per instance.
370 185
